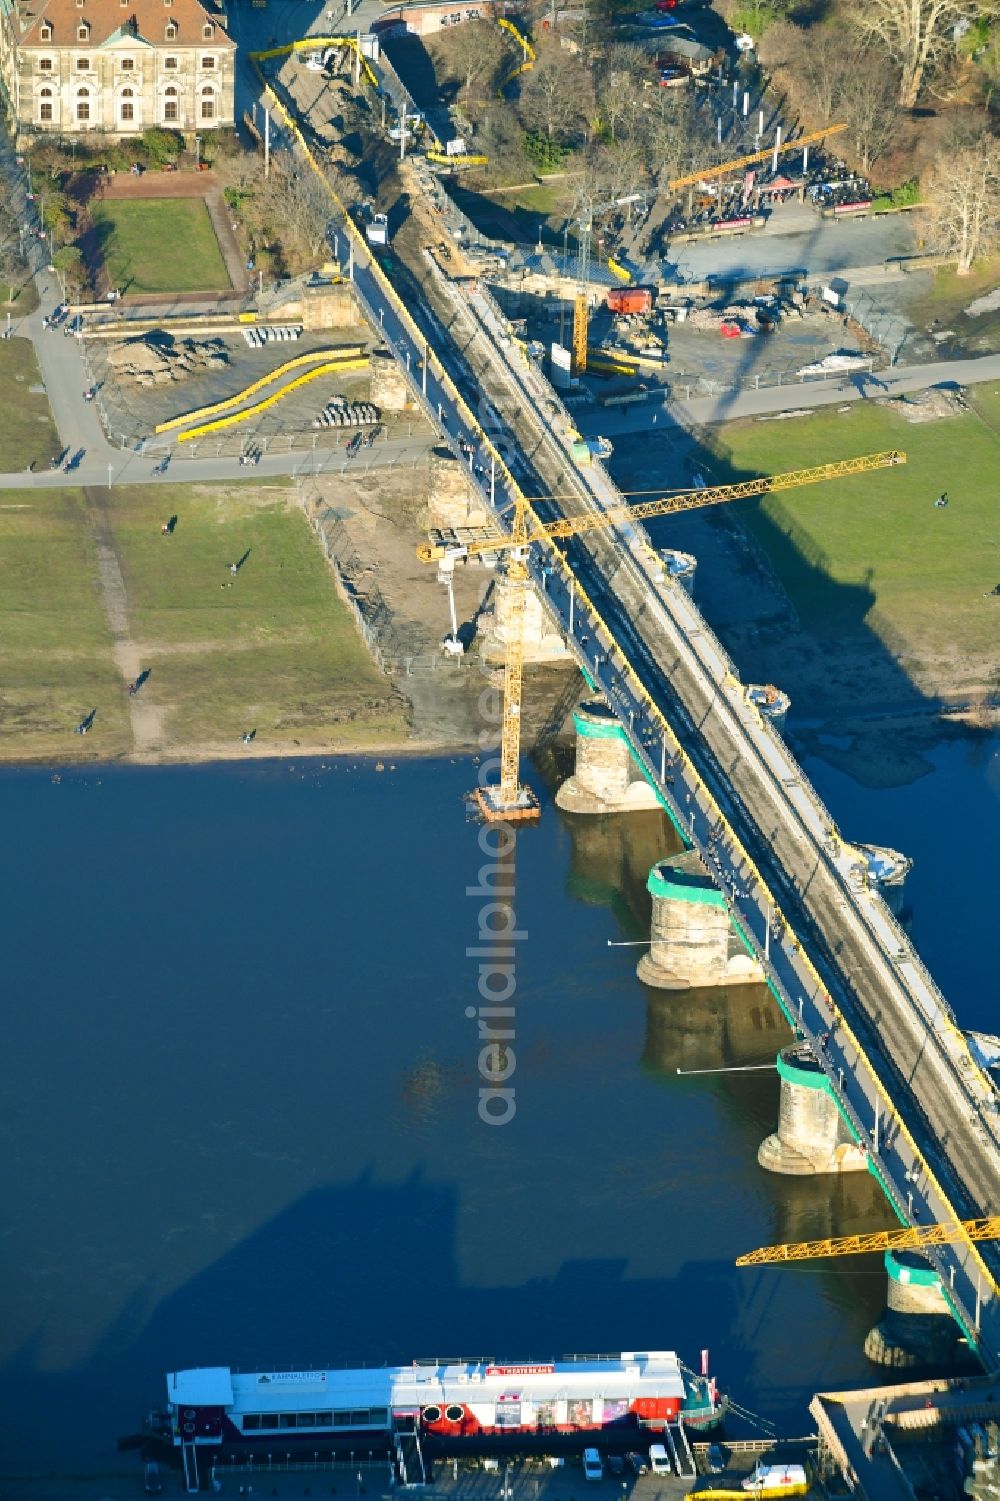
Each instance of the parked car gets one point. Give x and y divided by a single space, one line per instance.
637 1463
593 1469
659 1460
616 1465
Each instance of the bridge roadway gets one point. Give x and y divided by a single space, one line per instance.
898 1065
844 973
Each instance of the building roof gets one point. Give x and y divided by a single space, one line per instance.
109 21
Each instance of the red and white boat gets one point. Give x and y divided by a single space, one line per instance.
448 1406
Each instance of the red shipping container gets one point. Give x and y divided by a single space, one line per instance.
630 300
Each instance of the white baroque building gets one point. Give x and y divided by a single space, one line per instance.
114 67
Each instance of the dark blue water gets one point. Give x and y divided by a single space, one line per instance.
239 1118
949 822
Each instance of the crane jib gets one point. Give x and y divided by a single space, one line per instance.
685 500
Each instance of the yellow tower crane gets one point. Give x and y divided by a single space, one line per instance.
906 1238
755 156
508 800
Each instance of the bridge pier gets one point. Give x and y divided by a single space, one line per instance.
812 1136
542 641
606 779
692 940
389 387
917 1328
453 501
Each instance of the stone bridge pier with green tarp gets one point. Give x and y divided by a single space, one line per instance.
606 779
917 1328
693 942
812 1135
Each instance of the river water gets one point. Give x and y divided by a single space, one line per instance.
239 1099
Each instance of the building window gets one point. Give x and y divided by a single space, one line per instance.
82 64
170 109
45 114
208 63
208 30
45 64
83 108
128 110
170 31
208 107
171 63
82 32
45 32
128 63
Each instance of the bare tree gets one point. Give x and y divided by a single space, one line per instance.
963 191
618 83
478 47
678 138
554 95
296 206
867 99
914 33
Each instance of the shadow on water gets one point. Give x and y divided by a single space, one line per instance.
722 1028
255 1142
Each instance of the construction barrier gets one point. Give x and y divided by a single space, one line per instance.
762 1493
655 716
461 160
529 53
333 367
599 363
316 44
345 352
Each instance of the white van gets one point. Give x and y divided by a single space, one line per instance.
659 1460
790 1479
593 1469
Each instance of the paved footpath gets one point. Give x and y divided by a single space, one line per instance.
856 386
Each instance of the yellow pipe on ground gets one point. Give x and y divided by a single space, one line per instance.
603 365
346 351
445 160
333 367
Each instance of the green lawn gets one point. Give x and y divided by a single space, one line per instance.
873 550
159 245
18 298
27 433
57 662
273 648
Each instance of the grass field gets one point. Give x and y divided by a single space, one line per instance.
273 649
57 662
27 433
159 245
873 552
18 298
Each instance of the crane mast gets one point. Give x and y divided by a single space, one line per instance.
508 800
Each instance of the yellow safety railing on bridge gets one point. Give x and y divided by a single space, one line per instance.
653 712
